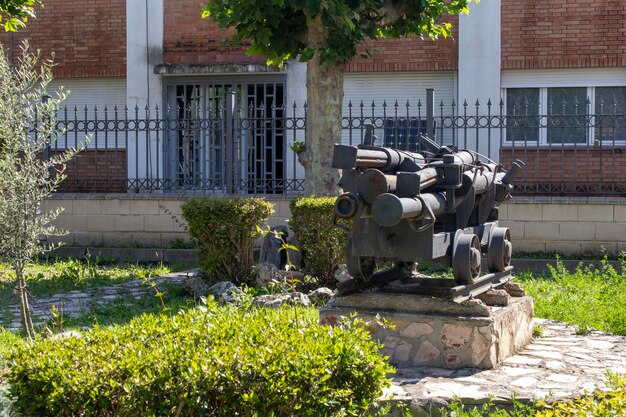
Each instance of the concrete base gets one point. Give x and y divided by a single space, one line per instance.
426 331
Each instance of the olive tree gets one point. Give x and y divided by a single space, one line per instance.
326 34
28 172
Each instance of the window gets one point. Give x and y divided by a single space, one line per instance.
402 133
566 115
610 114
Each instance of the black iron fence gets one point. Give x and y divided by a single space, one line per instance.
234 149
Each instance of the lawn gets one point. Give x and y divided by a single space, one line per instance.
590 297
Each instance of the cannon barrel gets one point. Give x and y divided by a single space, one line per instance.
386 159
389 209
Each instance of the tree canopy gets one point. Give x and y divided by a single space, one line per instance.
279 29
15 13
326 34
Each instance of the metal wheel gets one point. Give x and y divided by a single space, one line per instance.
360 267
499 250
466 258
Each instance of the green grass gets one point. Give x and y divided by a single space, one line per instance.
590 297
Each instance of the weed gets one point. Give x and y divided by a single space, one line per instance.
537 331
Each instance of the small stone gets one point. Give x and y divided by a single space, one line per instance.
275 301
562 378
341 273
518 371
426 353
547 354
225 291
522 360
495 297
454 336
402 353
525 382
196 286
321 295
600 344
554 365
415 330
514 289
479 348
266 274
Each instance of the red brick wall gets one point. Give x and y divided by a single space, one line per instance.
563 34
570 169
409 54
97 171
189 39
87 36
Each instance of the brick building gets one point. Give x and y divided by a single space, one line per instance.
535 56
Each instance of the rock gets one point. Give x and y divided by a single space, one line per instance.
493 297
270 248
277 300
225 292
513 289
267 273
341 273
196 286
320 295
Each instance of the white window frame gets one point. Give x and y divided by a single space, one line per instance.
543 113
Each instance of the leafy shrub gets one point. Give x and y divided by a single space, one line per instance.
322 243
224 230
217 361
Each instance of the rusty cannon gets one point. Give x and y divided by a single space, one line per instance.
440 205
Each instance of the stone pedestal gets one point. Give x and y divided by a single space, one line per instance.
427 331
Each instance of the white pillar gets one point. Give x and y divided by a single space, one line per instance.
479 70
144 50
296 94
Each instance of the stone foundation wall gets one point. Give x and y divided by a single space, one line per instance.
572 226
475 336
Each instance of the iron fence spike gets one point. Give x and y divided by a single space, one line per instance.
489 103
465 103
477 104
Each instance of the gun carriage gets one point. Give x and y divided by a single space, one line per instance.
439 205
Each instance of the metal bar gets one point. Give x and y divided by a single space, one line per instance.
430 112
230 141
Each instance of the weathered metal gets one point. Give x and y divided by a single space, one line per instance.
440 205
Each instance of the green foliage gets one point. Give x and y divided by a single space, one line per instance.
15 13
601 404
488 409
224 230
590 297
322 243
218 361
278 30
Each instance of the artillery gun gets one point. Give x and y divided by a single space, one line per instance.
439 205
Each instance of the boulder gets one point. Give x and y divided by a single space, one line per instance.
270 247
225 292
321 295
277 300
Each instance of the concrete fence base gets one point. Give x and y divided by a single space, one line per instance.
571 226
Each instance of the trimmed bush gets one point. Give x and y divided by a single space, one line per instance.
323 244
217 361
224 230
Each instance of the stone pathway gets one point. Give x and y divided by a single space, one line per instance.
558 365
77 303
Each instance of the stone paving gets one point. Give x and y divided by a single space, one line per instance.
557 365
77 303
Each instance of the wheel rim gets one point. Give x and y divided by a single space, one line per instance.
500 249
466 258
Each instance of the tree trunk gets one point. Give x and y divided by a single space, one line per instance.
323 123
25 318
